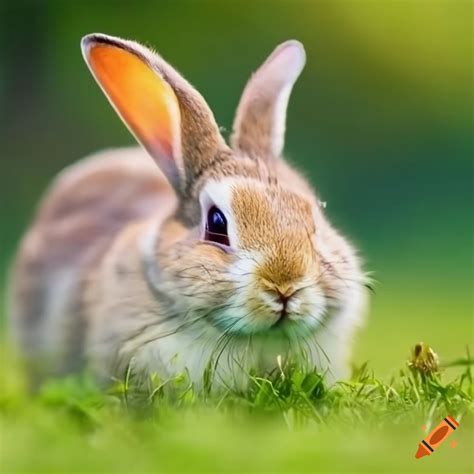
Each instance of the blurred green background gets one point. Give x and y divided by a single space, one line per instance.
381 120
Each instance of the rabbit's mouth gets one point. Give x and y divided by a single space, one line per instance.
265 320
283 318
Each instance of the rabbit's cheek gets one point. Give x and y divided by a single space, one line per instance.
309 309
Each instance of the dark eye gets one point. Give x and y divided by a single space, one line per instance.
216 227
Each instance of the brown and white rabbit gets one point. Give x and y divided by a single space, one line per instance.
203 253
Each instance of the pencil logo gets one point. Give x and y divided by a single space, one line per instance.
436 437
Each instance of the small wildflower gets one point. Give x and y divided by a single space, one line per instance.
424 359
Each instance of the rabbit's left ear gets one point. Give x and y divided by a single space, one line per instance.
259 126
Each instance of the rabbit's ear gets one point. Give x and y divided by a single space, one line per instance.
259 126
161 109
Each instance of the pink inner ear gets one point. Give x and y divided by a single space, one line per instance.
144 101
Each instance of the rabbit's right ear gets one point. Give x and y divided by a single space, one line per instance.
161 109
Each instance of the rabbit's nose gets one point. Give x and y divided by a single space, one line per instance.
280 295
284 296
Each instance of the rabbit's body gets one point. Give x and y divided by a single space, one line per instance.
225 258
79 218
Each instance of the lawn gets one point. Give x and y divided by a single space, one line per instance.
286 422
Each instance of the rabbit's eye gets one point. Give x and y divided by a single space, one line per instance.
216 227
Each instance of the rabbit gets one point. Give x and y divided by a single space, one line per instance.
186 251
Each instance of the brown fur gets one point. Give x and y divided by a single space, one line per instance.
278 222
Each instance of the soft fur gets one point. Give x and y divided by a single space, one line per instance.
114 271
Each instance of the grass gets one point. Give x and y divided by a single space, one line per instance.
288 421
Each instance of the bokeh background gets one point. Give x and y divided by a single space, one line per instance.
381 121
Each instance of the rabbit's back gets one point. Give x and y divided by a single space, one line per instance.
85 208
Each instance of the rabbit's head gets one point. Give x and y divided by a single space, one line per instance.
248 249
